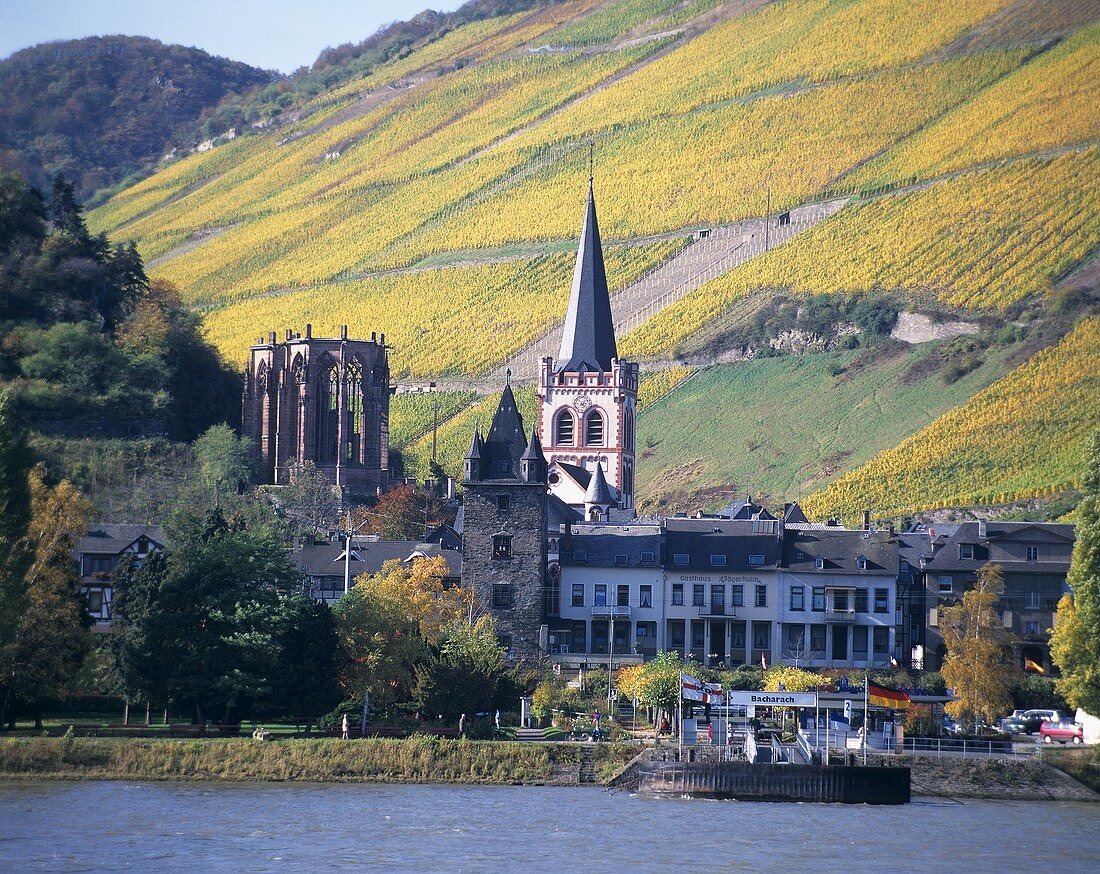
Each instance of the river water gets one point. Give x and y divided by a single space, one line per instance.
96 826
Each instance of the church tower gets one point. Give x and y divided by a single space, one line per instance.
588 396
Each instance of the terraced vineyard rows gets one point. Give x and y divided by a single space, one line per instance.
1024 435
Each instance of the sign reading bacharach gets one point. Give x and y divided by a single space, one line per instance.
772 699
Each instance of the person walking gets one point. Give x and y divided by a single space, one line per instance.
344 728
496 719
462 725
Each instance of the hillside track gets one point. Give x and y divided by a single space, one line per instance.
711 254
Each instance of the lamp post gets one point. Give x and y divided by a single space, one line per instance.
348 533
610 653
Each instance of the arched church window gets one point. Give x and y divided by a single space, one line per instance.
628 430
593 429
328 400
355 410
563 429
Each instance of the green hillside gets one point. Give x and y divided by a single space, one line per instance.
434 193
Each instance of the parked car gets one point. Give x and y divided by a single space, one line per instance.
1033 719
1015 724
1062 732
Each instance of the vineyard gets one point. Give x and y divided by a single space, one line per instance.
436 197
1025 435
413 413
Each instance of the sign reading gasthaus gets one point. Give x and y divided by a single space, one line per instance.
773 699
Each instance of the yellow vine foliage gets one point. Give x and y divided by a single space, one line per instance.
655 384
1025 435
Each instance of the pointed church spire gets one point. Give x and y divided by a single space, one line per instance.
599 492
588 336
505 443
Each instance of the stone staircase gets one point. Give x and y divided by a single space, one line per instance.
711 254
530 734
587 771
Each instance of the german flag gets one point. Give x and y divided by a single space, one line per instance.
1032 665
892 699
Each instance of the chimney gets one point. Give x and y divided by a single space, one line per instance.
309 331
271 338
866 520
289 334
343 332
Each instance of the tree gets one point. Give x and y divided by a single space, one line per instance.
212 630
402 513
792 679
78 357
975 641
1075 638
224 459
16 552
465 675
630 681
53 637
305 677
133 671
661 682
311 500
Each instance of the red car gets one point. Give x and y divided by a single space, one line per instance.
1063 732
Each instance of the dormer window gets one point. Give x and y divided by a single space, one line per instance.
966 550
718 560
861 562
819 563
681 558
756 559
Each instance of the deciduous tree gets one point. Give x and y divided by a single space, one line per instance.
975 639
1075 638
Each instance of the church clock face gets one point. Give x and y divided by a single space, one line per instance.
582 403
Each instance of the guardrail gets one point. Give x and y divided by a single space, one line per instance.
805 746
950 746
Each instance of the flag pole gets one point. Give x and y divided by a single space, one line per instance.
866 711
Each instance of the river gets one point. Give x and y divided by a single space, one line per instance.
94 826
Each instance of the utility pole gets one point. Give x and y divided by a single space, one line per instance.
435 417
767 221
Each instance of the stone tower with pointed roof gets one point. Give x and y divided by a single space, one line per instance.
505 507
587 395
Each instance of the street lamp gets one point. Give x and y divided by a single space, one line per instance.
347 548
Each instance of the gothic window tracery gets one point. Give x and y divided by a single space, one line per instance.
328 402
355 411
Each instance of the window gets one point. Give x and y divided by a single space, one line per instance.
761 635
645 596
551 594
762 596
354 436
578 595
819 563
503 502
676 632
677 594
859 641
840 602
647 558
861 600
756 559
622 596
622 560
95 601
966 550
881 640
698 632
798 597
802 556
903 566
1031 629
1033 553
943 584
718 598
601 595
580 636
817 638
680 558
819 600
563 430
718 560
737 635
882 600
1033 600
628 430
502 546
502 596
697 595
593 429
738 595
505 641
861 563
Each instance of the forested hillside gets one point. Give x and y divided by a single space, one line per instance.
102 108
434 193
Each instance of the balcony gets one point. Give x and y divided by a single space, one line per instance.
841 616
717 610
604 611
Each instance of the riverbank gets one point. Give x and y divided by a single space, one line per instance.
414 760
1004 779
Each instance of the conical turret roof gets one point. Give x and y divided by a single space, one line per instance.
505 443
599 492
588 336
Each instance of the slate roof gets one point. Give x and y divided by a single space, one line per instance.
841 549
606 545
588 335
599 492
579 474
368 556
504 445
744 509
736 540
947 558
560 513
105 538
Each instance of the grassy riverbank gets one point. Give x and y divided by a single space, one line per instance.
1015 779
414 760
